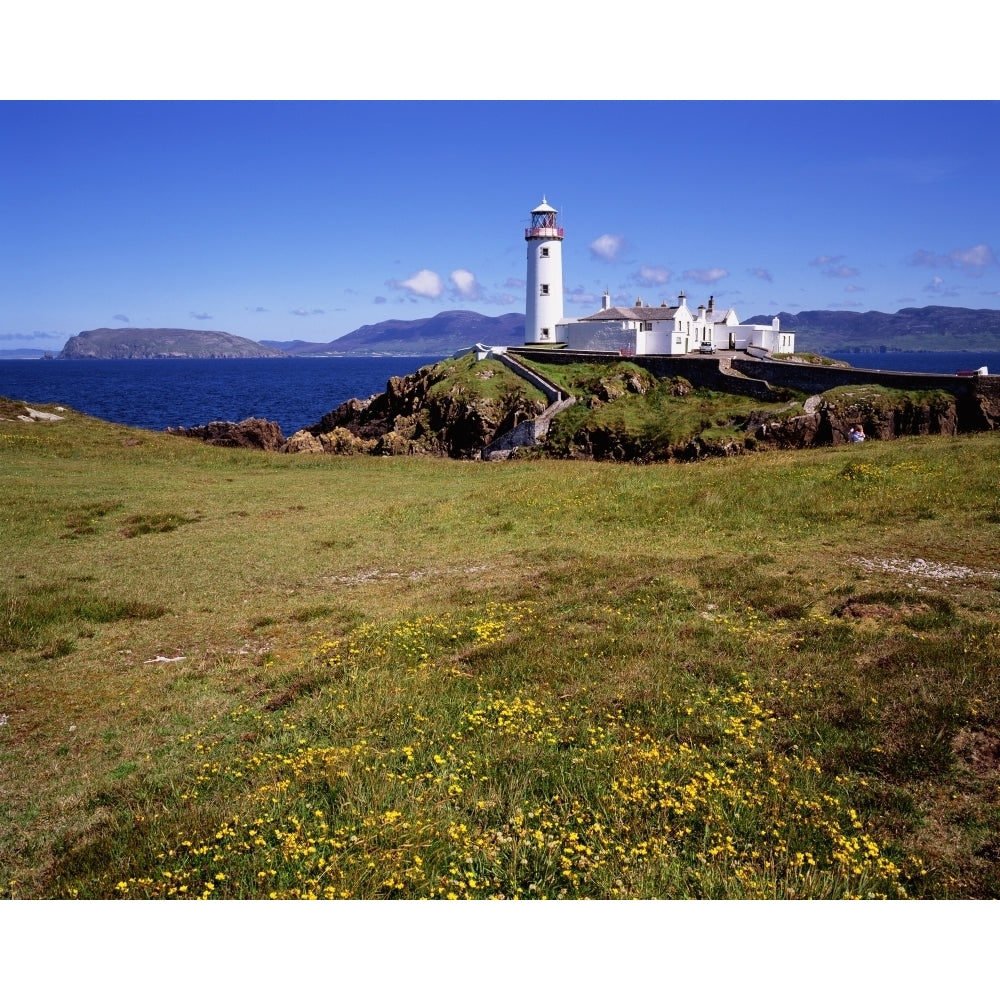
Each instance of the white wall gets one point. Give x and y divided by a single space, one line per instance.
543 311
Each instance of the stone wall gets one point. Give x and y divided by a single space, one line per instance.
552 392
819 378
704 372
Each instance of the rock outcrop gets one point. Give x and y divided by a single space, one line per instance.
262 435
419 414
830 422
821 421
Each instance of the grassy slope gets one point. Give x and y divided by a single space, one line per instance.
418 677
657 418
488 379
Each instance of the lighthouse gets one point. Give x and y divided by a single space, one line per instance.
544 296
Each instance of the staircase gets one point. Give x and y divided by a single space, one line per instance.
531 432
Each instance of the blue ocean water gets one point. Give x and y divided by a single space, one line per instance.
928 362
293 392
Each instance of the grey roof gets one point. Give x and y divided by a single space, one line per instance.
636 312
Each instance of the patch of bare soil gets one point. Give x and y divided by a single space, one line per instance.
858 608
979 749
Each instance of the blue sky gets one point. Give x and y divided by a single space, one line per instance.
306 220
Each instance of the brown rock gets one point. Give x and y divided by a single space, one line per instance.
302 443
262 435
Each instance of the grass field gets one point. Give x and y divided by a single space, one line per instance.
232 674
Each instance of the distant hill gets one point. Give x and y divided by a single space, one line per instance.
292 346
128 342
23 353
931 328
441 334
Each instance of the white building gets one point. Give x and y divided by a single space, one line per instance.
642 329
544 293
663 329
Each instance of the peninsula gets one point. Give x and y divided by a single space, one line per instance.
129 342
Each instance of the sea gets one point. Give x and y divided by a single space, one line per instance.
292 392
157 394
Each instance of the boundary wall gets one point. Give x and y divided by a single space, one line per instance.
757 377
819 378
709 372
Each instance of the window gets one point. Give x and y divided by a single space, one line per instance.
545 289
545 333
647 326
544 252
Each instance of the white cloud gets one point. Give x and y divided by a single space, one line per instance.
854 288
972 260
580 297
841 272
975 259
706 275
121 318
649 276
514 283
608 246
36 335
938 286
465 284
201 315
760 272
427 284
832 267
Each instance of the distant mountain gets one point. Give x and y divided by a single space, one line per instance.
442 334
23 353
133 343
931 328
291 346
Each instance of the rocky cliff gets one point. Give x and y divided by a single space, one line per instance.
451 409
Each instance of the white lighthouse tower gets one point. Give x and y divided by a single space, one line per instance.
544 298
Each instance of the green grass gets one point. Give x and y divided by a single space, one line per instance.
624 412
878 399
402 677
487 379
